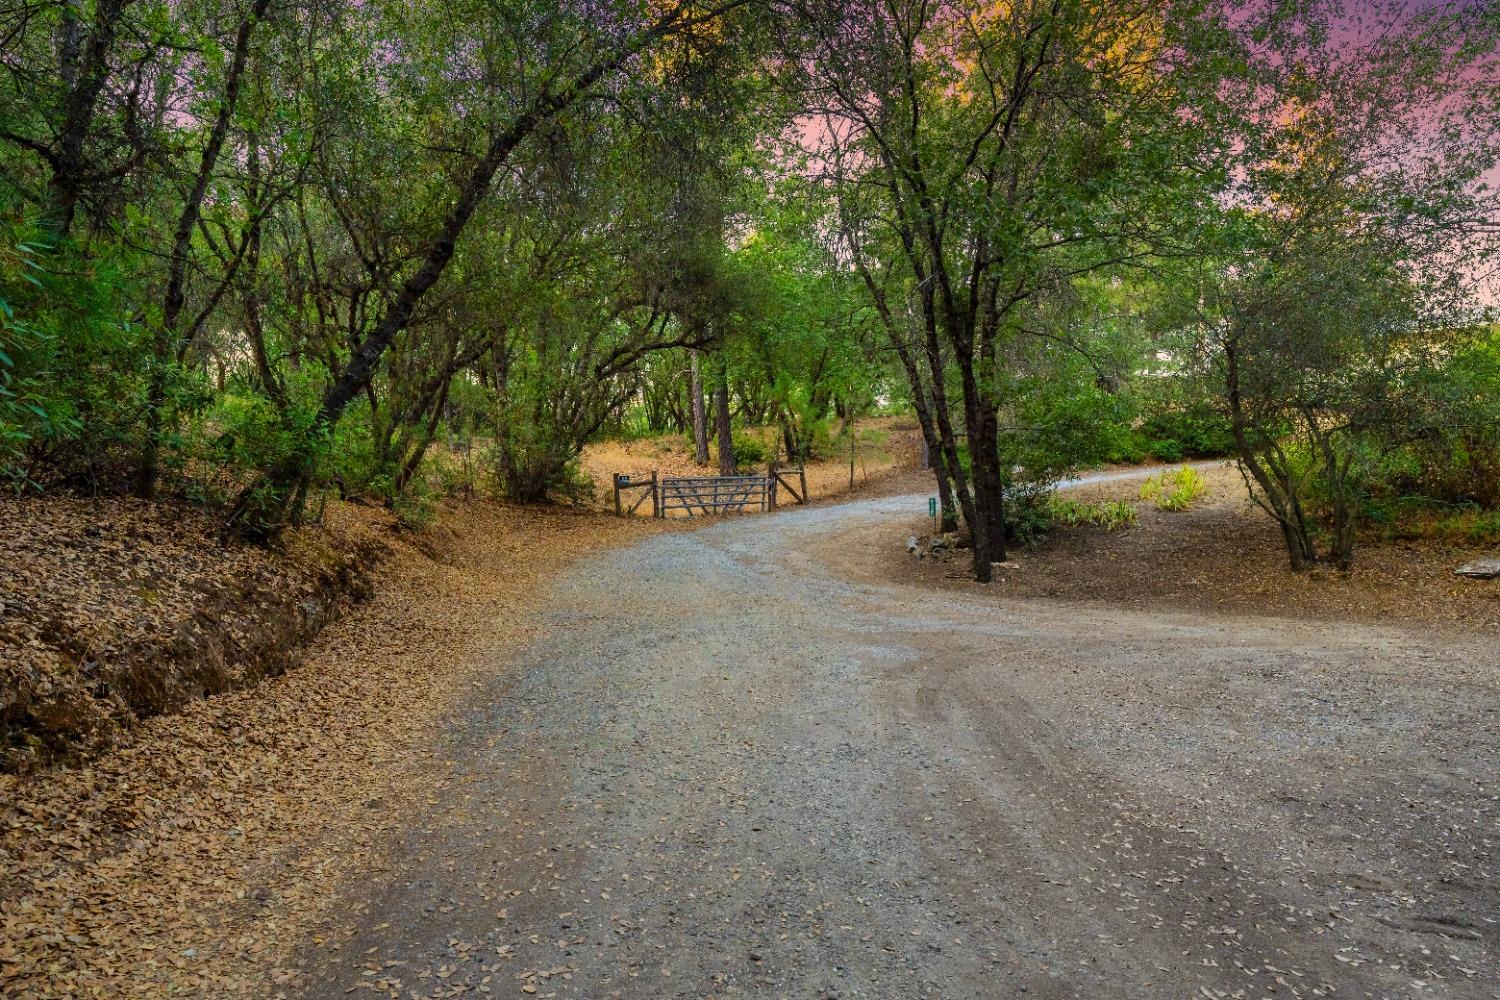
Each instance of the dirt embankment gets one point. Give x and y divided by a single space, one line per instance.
114 610
1224 554
188 860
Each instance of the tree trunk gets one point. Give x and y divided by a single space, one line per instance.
700 421
931 438
727 465
1279 496
254 323
947 437
84 69
165 344
989 484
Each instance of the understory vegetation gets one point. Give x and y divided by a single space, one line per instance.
257 254
1174 490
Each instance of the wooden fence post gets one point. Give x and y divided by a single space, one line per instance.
655 495
618 511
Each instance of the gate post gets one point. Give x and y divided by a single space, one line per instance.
655 496
618 512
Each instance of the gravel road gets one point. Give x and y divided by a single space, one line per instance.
730 771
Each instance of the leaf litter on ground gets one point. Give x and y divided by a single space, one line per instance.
197 855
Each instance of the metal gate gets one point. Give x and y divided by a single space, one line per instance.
714 494
696 495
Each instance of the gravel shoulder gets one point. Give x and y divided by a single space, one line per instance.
726 766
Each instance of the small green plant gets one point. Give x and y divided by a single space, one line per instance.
1417 518
414 513
1175 490
1110 516
1116 514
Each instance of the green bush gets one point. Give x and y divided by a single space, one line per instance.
1129 447
414 511
1028 515
72 363
1175 490
1418 518
1167 449
749 450
1065 424
1444 442
1196 431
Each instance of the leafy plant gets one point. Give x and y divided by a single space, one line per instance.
1175 490
749 451
1110 515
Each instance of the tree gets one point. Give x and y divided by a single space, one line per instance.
585 58
1346 245
983 156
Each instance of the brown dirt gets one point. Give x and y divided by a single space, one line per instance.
1224 554
188 861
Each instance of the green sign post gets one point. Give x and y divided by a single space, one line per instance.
932 512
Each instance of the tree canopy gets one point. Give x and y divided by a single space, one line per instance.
253 251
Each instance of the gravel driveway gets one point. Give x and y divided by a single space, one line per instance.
728 771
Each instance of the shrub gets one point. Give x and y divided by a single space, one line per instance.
749 450
1167 449
1418 518
414 512
1130 447
1176 490
1028 517
72 364
1196 431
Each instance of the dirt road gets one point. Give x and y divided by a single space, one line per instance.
729 771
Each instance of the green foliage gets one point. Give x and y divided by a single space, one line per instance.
1028 514
622 243
1441 440
1175 490
1418 518
1063 416
414 511
1111 515
1195 432
71 370
749 451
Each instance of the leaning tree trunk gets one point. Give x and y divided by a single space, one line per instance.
263 507
1275 481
